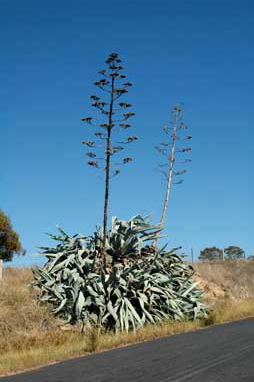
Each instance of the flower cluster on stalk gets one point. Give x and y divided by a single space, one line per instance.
170 149
115 115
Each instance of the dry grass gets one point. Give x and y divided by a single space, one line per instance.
31 337
227 279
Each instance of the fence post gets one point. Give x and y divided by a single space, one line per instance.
1 269
192 260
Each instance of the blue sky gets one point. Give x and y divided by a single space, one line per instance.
195 52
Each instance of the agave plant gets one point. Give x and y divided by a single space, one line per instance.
140 284
126 238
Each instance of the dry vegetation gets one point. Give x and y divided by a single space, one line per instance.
30 336
232 280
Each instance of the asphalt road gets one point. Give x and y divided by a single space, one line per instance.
222 353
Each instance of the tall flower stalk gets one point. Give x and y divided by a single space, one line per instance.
169 149
116 118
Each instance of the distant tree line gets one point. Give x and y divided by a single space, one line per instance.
231 252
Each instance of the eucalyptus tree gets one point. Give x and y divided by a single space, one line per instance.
9 241
115 115
211 254
169 149
233 252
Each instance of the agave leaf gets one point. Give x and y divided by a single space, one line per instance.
87 301
122 316
143 297
64 234
60 307
131 317
59 256
133 311
156 289
126 318
100 301
105 317
149 316
80 303
112 311
92 291
190 288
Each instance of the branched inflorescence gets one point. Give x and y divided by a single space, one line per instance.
170 149
116 117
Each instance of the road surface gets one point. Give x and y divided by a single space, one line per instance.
223 353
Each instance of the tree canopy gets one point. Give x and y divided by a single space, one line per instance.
234 252
211 253
9 239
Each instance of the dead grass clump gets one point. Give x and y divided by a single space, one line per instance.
92 339
226 311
